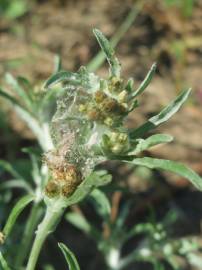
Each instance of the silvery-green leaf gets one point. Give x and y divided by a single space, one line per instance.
101 202
16 183
18 89
146 81
62 76
9 168
9 97
153 140
57 63
129 85
16 211
115 66
95 179
171 166
3 263
162 117
69 257
81 223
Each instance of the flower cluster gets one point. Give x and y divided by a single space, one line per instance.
88 124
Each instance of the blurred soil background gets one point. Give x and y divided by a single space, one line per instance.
166 34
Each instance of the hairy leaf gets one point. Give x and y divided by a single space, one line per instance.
62 76
69 257
101 202
115 66
18 89
95 179
153 140
162 117
3 263
16 211
146 81
172 166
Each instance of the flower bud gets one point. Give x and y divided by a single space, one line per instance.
68 189
52 189
108 121
122 97
94 114
109 105
100 96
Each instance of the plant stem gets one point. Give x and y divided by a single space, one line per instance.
97 61
32 222
47 226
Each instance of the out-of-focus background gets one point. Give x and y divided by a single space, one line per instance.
168 32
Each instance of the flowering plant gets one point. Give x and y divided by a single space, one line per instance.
79 123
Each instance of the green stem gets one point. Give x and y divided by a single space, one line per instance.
32 222
97 61
47 226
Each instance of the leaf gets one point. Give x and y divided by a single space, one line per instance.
18 89
115 66
48 103
146 81
3 263
62 76
31 122
151 141
81 223
69 257
9 97
57 63
101 203
34 126
9 168
95 179
16 183
162 117
34 156
16 211
171 166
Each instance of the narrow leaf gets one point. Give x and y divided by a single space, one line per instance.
81 223
9 168
57 63
171 166
101 202
95 179
16 183
9 97
16 211
109 53
151 141
62 76
146 81
69 257
162 117
18 89
3 263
